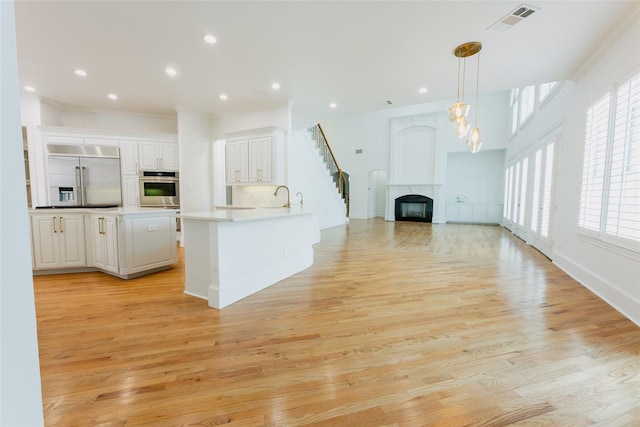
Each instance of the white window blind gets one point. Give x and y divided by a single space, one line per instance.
545 89
535 203
610 196
514 110
507 196
596 130
516 192
623 207
527 103
522 204
547 183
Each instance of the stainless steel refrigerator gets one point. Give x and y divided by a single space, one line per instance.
84 175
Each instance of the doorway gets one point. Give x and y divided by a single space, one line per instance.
376 193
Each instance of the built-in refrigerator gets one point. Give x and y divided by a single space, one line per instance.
83 175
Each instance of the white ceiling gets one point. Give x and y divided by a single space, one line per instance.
358 54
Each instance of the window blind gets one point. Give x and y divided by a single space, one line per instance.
623 207
596 130
610 194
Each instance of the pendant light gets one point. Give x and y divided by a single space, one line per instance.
460 122
459 111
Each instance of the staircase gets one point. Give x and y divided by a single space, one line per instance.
337 176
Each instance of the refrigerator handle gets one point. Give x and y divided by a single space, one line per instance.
78 186
83 183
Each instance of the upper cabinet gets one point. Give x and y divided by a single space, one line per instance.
160 156
236 164
255 156
129 157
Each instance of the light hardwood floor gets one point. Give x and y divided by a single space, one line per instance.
395 324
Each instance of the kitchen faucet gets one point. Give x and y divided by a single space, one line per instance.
301 198
275 193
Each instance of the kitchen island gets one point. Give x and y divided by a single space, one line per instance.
124 242
231 253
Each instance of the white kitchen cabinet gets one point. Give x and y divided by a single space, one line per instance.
130 191
158 156
260 159
255 156
105 242
236 156
475 213
58 241
129 157
123 242
146 243
129 170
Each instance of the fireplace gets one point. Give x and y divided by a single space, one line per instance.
414 207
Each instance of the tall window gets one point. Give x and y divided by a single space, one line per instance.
544 90
515 95
522 203
527 103
547 182
610 196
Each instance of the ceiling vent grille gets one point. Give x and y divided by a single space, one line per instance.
517 15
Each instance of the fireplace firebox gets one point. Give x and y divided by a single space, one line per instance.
414 207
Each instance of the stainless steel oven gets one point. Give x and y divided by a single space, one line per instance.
159 189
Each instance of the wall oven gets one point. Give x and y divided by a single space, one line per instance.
159 189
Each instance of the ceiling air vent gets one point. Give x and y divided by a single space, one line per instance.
517 15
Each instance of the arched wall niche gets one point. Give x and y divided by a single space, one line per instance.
416 156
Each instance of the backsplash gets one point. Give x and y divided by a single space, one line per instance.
257 195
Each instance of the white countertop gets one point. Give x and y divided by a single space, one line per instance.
114 211
236 213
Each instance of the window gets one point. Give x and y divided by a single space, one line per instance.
527 103
515 94
610 196
545 209
545 89
522 204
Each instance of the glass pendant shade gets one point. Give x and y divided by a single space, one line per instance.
458 110
461 127
474 141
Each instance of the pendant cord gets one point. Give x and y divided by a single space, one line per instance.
475 124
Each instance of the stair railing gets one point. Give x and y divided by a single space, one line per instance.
330 159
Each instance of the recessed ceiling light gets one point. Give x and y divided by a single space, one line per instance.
332 105
275 86
30 88
209 38
112 96
423 90
223 96
171 71
81 73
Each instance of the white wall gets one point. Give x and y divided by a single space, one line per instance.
20 395
195 146
119 121
611 272
371 132
487 171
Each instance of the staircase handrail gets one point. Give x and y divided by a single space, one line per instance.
323 145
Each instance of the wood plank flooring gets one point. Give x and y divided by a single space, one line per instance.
395 324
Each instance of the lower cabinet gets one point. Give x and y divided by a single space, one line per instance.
146 243
475 213
58 241
122 244
105 243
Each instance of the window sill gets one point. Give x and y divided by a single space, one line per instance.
625 249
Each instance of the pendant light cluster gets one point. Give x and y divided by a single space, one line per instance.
459 112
